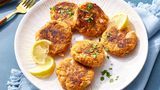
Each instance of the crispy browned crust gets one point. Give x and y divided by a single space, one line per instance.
94 27
65 11
59 34
119 42
88 53
74 76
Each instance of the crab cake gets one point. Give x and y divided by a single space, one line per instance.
74 76
119 42
88 53
91 20
59 33
65 11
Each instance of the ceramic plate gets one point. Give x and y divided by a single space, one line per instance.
126 68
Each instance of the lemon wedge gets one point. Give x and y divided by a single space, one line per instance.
44 70
120 20
40 51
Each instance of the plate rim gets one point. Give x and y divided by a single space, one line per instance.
42 1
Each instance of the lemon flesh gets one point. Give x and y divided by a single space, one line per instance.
120 20
40 51
44 70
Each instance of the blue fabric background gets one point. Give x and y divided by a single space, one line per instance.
7 56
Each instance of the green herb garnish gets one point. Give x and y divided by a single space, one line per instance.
111 80
91 50
61 11
66 11
89 19
89 6
103 72
94 46
52 8
106 49
94 55
110 68
69 12
108 74
102 78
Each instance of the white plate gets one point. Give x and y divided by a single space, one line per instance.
126 68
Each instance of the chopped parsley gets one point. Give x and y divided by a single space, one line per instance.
102 78
89 19
94 55
110 68
105 72
61 11
106 49
94 46
91 50
69 12
111 80
52 8
66 11
89 6
108 74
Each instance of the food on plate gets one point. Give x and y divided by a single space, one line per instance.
54 38
88 53
119 39
91 20
59 33
74 76
44 70
65 11
40 50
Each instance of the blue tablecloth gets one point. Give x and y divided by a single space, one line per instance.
7 56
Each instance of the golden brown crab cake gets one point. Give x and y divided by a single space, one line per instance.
74 76
119 42
65 11
91 20
88 53
59 33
